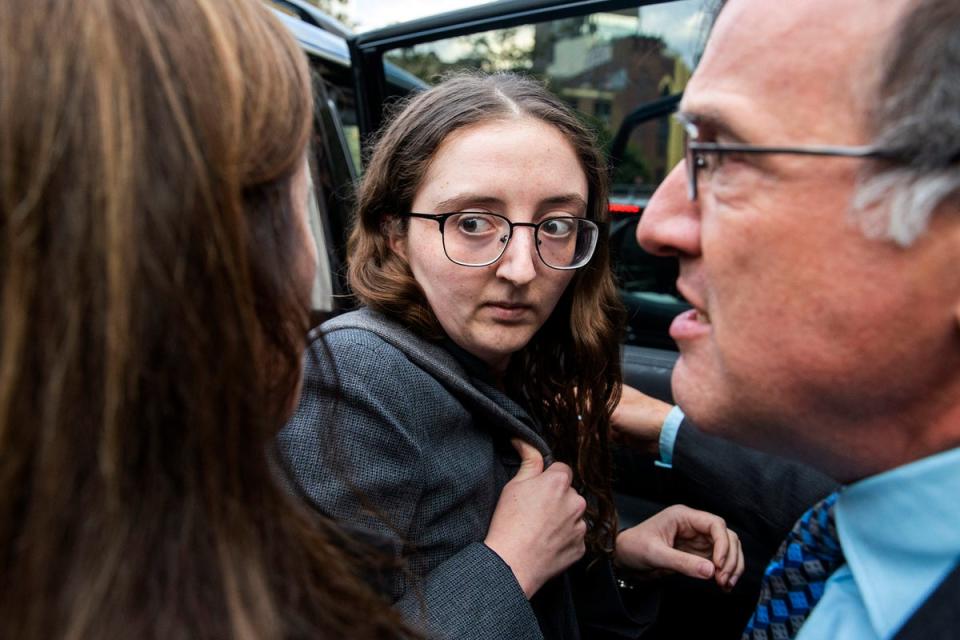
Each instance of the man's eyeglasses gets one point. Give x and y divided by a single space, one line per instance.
476 239
698 154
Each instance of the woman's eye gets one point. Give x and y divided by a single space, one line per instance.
474 224
557 227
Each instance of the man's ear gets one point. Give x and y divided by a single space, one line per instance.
954 216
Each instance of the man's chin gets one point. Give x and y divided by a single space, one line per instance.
708 405
694 393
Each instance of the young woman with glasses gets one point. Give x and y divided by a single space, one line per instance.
488 341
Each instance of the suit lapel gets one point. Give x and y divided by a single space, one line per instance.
443 367
938 618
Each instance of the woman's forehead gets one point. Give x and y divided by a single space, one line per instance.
503 152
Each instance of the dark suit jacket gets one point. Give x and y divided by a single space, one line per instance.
764 494
759 495
939 617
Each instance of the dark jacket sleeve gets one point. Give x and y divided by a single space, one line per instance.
763 493
472 595
356 448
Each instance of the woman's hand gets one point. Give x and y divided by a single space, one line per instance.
537 527
683 540
638 419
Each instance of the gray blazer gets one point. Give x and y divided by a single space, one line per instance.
398 438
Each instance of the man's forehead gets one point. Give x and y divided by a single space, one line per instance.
827 24
781 59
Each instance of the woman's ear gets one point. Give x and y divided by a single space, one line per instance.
395 238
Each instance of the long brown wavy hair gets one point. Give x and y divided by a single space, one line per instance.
569 374
151 331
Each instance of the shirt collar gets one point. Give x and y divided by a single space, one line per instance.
474 366
900 533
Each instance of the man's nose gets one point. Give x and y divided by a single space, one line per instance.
670 224
518 263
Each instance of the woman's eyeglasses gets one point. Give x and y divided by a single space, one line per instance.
477 239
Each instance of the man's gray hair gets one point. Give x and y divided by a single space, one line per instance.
917 117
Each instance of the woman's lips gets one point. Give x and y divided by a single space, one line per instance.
508 311
690 324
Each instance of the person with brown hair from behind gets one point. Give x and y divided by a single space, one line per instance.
155 269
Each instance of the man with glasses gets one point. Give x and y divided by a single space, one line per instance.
816 219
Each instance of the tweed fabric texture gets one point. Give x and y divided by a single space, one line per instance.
379 443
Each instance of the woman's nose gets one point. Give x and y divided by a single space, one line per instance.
517 264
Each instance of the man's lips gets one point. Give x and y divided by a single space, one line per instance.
693 323
690 295
690 324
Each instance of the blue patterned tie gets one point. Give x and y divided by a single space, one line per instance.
794 579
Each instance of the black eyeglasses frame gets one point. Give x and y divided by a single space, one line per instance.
441 219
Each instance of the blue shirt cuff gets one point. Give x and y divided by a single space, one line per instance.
668 437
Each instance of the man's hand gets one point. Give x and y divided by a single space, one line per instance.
683 540
638 419
537 526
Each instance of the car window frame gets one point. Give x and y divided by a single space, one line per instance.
367 49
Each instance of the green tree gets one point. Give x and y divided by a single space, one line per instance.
498 51
426 65
335 8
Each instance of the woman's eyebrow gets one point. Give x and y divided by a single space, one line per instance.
462 200
574 199
459 201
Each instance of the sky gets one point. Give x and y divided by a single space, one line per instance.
370 14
